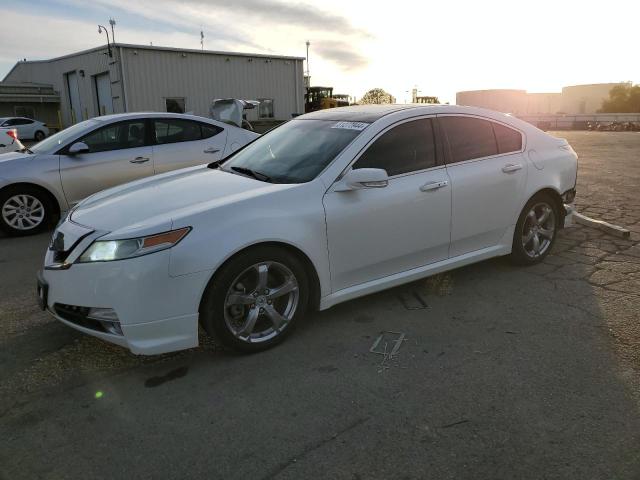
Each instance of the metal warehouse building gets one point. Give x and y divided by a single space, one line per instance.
147 78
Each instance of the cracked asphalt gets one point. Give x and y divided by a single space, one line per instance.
505 373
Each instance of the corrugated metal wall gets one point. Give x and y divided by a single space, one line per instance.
150 75
153 75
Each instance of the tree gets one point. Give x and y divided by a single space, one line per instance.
377 96
622 99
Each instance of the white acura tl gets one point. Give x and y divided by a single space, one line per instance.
330 206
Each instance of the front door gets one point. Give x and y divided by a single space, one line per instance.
377 232
117 154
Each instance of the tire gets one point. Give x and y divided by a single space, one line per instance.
245 315
39 136
534 238
24 210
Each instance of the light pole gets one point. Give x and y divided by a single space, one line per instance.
100 29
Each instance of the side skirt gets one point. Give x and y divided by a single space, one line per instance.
503 248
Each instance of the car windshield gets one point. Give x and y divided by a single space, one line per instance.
295 152
62 137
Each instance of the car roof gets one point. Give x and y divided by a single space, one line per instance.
371 113
357 113
124 116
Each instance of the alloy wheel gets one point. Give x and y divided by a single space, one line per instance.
261 302
538 230
23 212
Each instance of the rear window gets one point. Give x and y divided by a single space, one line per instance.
469 138
509 140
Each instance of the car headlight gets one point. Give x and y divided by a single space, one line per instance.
109 250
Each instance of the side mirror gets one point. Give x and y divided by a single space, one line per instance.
78 147
363 178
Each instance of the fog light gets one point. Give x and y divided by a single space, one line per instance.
108 319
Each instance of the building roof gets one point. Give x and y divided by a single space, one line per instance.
157 48
169 49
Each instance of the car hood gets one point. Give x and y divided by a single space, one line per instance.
13 157
155 202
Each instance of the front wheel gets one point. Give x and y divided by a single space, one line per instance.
536 230
255 299
24 210
39 136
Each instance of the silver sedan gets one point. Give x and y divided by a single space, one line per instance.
38 184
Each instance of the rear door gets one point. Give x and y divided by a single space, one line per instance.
25 127
488 176
118 153
180 143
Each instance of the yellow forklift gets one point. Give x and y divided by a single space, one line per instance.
321 98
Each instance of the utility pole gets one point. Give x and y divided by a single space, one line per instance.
201 40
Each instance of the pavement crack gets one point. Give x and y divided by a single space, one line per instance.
281 467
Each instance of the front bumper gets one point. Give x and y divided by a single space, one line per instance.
157 313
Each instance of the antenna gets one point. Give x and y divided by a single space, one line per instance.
112 22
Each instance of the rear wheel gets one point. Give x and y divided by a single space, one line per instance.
24 210
536 230
255 299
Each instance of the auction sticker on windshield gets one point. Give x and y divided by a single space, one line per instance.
351 125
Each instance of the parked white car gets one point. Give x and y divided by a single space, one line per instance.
38 184
9 140
28 129
330 206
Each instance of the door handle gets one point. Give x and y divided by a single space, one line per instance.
211 150
433 185
139 160
511 167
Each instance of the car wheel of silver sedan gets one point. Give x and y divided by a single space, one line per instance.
255 299
24 210
536 230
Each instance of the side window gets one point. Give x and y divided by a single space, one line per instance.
509 140
116 137
469 138
10 123
406 148
209 130
173 130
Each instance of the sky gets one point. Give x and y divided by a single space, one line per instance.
438 47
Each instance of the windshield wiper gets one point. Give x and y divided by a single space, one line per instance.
252 173
217 163
25 149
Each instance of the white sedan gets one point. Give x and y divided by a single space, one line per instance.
39 183
28 129
330 206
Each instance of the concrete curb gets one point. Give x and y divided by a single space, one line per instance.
601 225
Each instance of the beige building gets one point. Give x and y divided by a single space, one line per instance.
585 99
